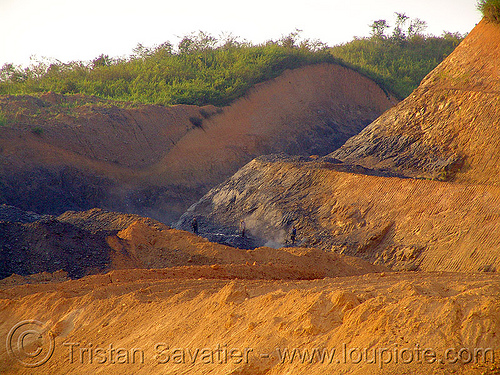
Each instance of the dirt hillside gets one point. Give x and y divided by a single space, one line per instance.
176 303
303 112
75 152
368 203
448 127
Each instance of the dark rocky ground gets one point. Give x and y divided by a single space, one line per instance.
221 224
74 242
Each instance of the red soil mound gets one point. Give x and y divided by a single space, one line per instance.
96 241
452 316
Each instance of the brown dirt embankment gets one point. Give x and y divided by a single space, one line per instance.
75 152
302 112
148 247
141 322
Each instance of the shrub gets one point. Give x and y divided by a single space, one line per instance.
397 64
204 70
196 121
490 10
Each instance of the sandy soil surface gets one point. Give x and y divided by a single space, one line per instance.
149 321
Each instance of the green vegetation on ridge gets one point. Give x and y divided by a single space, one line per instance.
490 9
203 70
401 59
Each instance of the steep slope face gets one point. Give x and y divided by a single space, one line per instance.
405 224
140 322
303 112
448 127
90 132
74 152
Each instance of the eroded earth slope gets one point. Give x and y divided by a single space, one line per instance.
74 152
148 321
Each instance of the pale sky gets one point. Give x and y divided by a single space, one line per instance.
82 30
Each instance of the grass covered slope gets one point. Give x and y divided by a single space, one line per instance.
398 56
202 70
397 64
